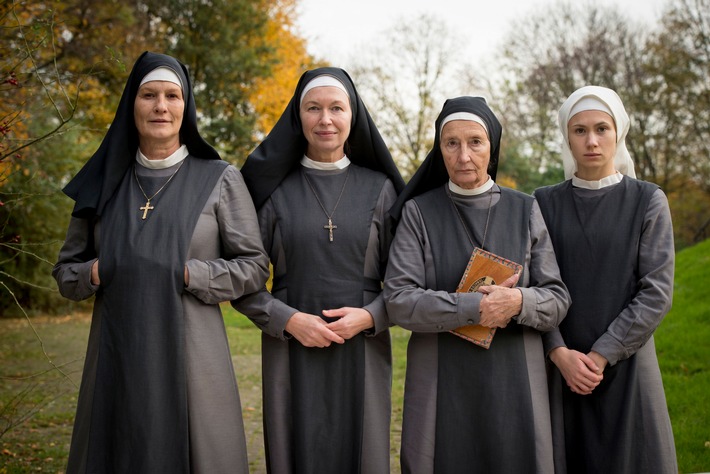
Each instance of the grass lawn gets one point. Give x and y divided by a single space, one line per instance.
683 348
41 400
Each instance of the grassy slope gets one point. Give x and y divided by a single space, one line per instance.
683 347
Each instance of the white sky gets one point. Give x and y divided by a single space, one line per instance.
334 29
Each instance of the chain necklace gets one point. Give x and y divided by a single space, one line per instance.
147 206
463 223
330 225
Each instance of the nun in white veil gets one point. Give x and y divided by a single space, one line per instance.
613 240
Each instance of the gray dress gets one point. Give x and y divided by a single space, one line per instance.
271 311
621 236
227 226
429 308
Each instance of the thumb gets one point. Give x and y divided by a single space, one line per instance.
511 281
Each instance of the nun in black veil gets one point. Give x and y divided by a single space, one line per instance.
469 409
162 231
322 182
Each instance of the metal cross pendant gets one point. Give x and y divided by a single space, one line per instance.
330 228
148 207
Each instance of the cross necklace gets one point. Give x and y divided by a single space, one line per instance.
147 206
330 225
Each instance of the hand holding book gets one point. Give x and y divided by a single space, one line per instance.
486 273
501 303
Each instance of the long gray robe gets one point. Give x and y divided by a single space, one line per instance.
623 425
413 304
225 260
271 313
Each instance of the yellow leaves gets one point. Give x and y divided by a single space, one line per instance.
506 181
270 95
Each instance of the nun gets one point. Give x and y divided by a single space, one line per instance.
162 231
468 409
322 182
613 238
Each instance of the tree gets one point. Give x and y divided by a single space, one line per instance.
405 87
680 127
271 94
39 101
224 46
62 69
661 75
550 54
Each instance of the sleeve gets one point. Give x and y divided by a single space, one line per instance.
635 325
243 267
269 313
545 296
383 235
73 268
410 272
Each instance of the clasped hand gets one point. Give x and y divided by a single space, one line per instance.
500 303
312 331
582 372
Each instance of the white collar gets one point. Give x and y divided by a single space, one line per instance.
341 164
602 183
179 155
455 188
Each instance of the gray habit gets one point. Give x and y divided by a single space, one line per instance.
315 274
225 259
418 301
615 250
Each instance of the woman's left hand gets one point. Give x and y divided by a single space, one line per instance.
351 323
600 360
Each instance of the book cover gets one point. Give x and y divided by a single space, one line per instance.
483 268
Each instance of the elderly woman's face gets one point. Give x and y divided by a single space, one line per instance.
467 152
326 116
592 139
158 111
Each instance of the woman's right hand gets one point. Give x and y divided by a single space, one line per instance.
311 330
579 370
95 273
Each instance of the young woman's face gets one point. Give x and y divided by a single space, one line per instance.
592 139
326 116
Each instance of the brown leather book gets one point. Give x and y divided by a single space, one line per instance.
484 268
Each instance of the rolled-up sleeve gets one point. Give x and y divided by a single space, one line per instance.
72 271
243 266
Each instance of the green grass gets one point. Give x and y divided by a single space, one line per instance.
31 388
29 385
683 347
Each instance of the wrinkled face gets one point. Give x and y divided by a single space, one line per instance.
592 139
467 152
326 116
158 111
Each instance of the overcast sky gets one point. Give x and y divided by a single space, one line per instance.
335 29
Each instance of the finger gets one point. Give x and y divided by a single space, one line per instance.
332 336
589 362
511 281
336 313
